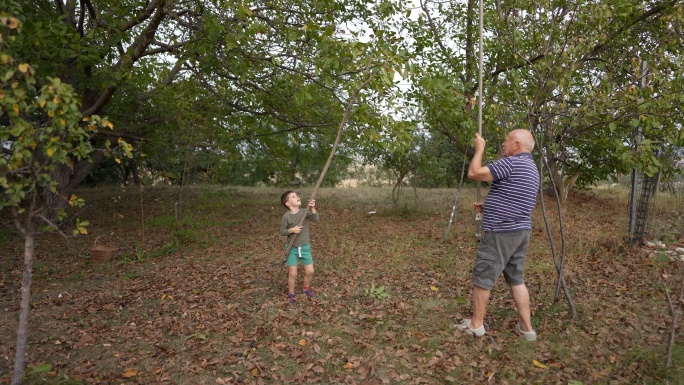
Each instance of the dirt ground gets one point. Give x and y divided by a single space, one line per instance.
196 295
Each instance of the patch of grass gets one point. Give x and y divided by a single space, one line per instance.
6 235
32 379
652 365
163 221
130 276
76 277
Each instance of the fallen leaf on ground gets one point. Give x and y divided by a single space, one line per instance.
129 373
538 364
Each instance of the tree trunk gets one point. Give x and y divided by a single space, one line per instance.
58 200
22 330
133 165
563 183
561 188
415 187
397 188
68 178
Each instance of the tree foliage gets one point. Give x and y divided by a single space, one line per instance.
195 85
42 129
571 72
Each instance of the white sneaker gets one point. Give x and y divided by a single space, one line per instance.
464 326
528 336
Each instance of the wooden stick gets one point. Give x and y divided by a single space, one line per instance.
345 118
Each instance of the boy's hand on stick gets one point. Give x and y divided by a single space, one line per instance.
296 229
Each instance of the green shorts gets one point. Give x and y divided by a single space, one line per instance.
302 253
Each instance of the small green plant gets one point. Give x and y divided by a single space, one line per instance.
130 276
376 292
138 257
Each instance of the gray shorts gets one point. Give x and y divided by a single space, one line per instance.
500 252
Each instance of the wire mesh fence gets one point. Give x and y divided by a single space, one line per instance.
657 209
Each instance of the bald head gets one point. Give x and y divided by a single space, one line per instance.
525 139
517 141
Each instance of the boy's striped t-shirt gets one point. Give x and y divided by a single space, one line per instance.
513 194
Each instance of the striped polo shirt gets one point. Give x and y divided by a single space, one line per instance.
513 194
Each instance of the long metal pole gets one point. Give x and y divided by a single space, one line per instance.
479 72
633 199
478 216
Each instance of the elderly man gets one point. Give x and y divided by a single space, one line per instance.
506 226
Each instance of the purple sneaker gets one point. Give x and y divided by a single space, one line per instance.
310 294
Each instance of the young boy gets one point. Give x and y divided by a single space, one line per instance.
301 249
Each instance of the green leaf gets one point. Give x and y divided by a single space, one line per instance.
42 368
8 75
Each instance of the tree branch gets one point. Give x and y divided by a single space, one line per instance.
81 18
433 28
598 48
512 66
83 168
295 128
177 18
71 11
141 17
134 53
165 47
60 6
53 225
177 66
17 223
465 150
91 9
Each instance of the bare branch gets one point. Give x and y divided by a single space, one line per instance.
17 223
53 225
